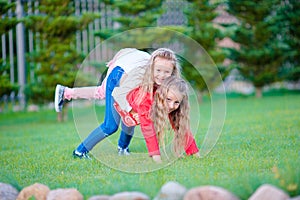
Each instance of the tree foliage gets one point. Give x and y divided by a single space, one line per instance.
6 87
200 27
288 21
133 14
261 54
6 24
56 59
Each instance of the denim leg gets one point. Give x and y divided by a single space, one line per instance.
81 148
125 136
111 119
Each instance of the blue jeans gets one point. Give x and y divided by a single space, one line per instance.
111 119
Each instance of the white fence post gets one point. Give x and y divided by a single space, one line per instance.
21 55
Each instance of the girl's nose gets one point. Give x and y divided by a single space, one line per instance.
171 105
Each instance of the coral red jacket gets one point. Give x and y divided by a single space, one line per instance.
147 126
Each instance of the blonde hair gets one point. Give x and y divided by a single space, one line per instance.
147 85
179 118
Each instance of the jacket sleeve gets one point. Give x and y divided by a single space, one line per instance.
190 144
146 123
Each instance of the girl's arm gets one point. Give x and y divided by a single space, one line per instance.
190 145
147 126
157 158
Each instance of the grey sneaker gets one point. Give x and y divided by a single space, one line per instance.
77 154
123 152
59 97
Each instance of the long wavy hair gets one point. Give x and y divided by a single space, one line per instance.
148 83
179 118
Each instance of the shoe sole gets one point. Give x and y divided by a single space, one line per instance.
56 97
82 157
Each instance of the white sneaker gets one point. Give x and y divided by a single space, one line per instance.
77 154
59 97
123 152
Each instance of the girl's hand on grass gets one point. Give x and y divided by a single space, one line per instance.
157 158
196 155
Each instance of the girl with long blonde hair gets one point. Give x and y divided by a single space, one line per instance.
168 102
171 104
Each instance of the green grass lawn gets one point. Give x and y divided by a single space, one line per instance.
260 143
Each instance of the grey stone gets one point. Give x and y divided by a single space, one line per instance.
208 193
171 191
64 194
8 192
129 196
266 192
99 197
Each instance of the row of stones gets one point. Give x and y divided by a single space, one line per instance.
169 191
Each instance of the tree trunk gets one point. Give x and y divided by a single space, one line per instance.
63 115
258 92
59 116
65 111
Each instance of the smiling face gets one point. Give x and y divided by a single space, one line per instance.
163 68
173 99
